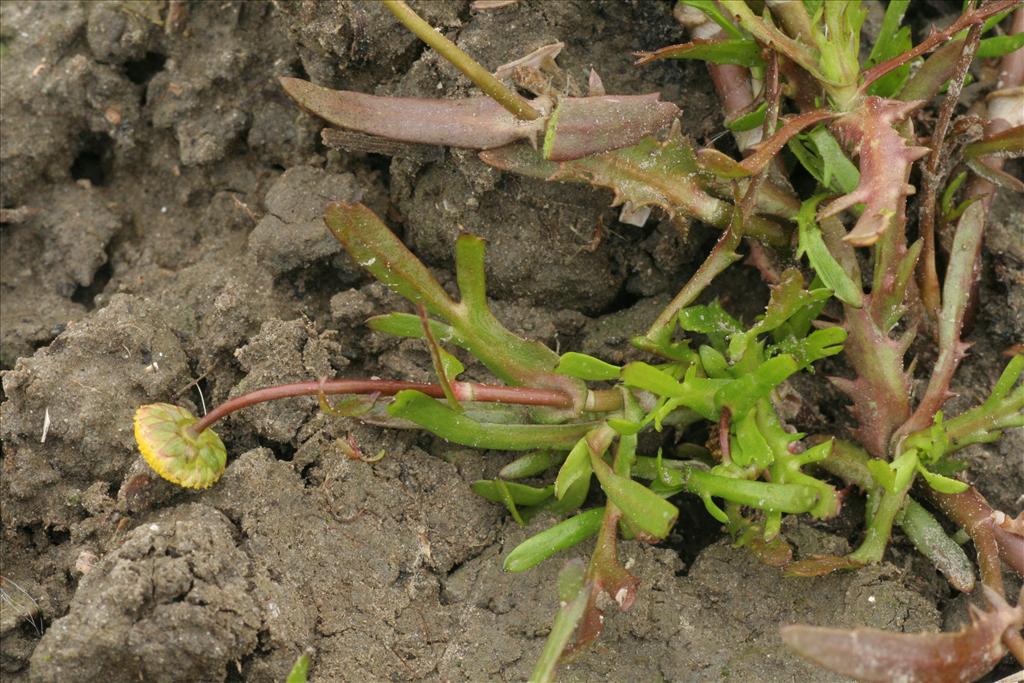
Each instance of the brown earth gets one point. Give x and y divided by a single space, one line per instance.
165 244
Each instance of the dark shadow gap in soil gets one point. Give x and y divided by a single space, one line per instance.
94 159
140 71
86 295
695 531
284 452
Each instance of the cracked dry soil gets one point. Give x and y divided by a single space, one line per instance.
162 241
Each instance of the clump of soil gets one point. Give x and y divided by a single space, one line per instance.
162 241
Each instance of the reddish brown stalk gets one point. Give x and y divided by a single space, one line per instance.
723 435
464 391
928 275
992 541
869 654
935 39
962 274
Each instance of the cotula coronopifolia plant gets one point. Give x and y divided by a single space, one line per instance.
851 274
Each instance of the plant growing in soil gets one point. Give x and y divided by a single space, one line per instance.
797 96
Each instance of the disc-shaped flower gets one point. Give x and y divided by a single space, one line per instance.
174 450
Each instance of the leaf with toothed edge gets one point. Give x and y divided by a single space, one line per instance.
885 161
869 654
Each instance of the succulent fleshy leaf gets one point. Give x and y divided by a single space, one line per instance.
472 122
167 441
869 654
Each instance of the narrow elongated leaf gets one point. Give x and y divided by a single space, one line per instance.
825 265
521 494
836 165
369 242
640 505
586 367
941 483
409 325
576 467
574 596
472 122
748 121
565 534
788 498
530 465
931 540
441 420
999 46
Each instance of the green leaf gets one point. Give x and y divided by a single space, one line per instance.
561 536
714 363
819 344
712 321
409 325
893 40
931 540
787 498
300 670
894 476
709 8
947 195
741 394
825 265
640 505
441 420
582 366
624 427
574 596
940 483
749 121
836 165
643 376
787 299
521 494
576 467
530 465
373 246
999 46
753 448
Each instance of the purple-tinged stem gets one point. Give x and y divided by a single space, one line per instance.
463 391
964 264
971 511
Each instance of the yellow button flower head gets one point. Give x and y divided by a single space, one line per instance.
171 447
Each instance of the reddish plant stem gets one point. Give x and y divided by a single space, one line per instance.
464 391
963 21
964 266
971 511
929 277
